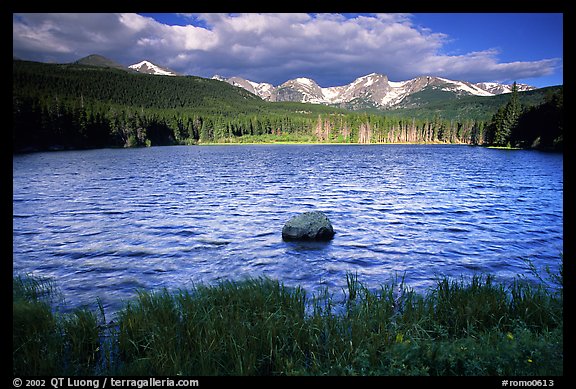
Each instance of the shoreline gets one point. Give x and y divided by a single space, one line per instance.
286 143
328 144
506 148
261 327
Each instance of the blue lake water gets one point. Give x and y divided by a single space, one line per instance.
105 223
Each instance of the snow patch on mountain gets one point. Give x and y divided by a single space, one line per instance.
464 87
306 81
148 67
332 93
262 89
498 89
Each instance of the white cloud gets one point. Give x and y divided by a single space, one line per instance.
484 65
331 48
136 22
191 38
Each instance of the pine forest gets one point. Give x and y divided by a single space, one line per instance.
71 106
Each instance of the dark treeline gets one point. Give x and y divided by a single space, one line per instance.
538 126
75 106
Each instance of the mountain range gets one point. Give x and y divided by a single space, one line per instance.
370 91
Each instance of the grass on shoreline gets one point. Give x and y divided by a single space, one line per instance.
261 327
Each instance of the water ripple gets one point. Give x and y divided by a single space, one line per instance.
109 222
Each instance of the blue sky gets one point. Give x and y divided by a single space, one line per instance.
519 36
332 49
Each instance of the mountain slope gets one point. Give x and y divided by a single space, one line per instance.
105 86
100 61
264 90
470 107
112 86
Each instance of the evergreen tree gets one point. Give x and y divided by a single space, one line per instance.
508 119
541 126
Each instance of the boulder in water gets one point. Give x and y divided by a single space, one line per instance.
310 226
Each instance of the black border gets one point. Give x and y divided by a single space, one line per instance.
351 6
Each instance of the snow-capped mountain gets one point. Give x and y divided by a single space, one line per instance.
148 67
371 90
300 89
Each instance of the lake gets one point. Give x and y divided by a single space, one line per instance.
106 223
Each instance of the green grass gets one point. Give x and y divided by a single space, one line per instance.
261 327
37 344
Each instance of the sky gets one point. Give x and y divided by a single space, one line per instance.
332 49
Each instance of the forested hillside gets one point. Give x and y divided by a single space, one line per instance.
473 107
540 126
77 106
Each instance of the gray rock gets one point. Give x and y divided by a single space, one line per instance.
313 226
